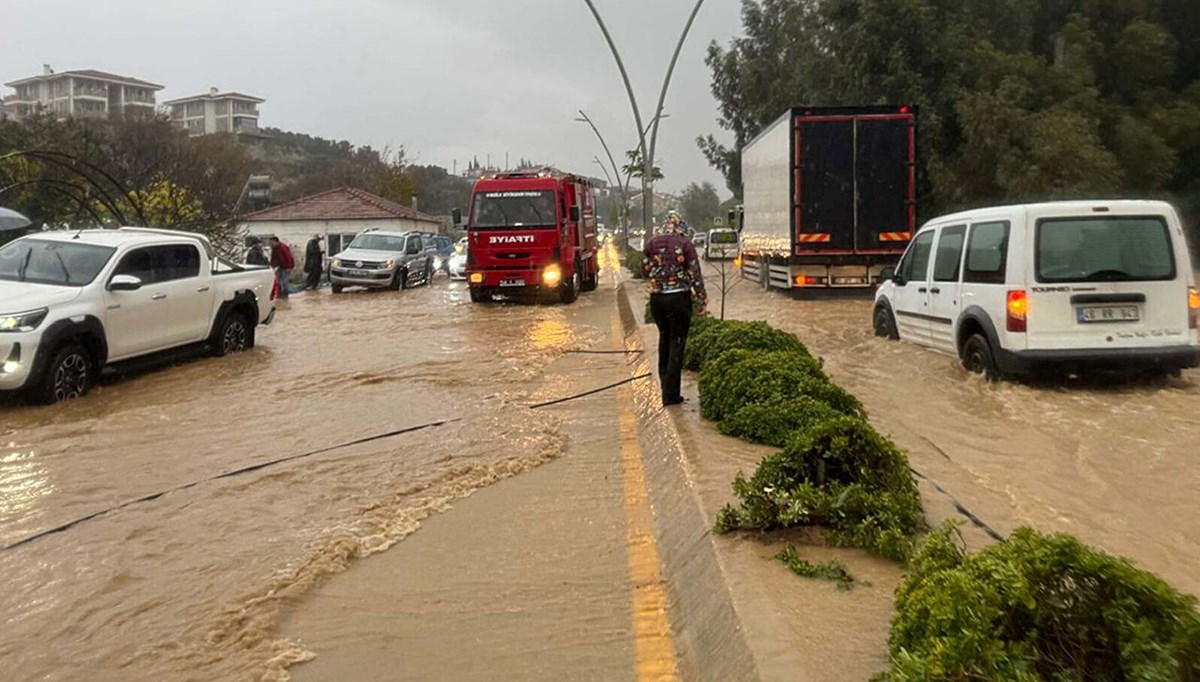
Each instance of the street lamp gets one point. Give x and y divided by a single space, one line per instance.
622 188
647 150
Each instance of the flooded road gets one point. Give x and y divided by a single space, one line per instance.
188 585
1116 463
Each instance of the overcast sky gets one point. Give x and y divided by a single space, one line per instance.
445 79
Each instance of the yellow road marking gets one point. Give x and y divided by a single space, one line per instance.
654 654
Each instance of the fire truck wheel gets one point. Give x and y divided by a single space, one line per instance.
480 295
591 281
568 291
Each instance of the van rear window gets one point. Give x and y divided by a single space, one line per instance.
1104 249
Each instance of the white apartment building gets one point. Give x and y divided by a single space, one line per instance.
87 93
217 112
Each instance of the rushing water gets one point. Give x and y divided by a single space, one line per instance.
187 586
1115 462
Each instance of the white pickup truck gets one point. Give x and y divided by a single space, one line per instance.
73 302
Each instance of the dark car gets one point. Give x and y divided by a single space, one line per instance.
445 249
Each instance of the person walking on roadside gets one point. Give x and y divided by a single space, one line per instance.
283 262
314 262
669 261
256 255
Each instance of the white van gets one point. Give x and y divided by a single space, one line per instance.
721 244
1059 287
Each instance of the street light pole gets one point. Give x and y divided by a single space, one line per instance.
623 188
647 150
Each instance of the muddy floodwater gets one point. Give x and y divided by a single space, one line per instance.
187 586
1115 462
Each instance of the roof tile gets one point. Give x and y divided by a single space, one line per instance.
342 203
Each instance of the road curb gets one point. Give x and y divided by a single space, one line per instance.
709 639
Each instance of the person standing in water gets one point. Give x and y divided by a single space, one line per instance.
670 263
314 262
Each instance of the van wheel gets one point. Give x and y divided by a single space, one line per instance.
885 324
977 358
234 336
70 374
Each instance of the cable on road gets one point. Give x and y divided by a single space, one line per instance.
594 391
608 352
228 474
961 508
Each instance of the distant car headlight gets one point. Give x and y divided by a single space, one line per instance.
23 322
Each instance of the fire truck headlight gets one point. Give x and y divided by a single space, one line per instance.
552 275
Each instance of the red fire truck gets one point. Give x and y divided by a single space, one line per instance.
532 232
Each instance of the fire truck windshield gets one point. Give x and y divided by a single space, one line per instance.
514 208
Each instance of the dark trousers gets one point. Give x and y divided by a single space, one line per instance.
673 316
314 279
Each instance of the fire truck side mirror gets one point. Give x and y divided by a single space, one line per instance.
456 214
574 214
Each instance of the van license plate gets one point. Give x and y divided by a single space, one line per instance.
1116 313
512 282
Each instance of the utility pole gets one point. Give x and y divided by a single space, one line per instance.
646 149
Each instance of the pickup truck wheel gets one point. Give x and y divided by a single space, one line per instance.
337 288
977 358
399 280
69 375
429 272
235 335
885 324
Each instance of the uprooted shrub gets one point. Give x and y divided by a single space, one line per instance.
750 377
777 423
1038 607
714 340
840 475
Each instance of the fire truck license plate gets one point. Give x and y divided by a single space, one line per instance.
512 282
1117 313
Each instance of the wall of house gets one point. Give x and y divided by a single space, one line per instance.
296 233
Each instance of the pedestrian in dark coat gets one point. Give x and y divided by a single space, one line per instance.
256 255
314 262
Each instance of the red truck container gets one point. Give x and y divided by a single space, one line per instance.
532 232
829 198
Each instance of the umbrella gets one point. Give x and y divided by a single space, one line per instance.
11 220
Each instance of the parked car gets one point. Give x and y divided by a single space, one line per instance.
445 249
721 244
457 263
1062 287
700 240
72 303
383 259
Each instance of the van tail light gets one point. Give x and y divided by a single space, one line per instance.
1193 308
1018 310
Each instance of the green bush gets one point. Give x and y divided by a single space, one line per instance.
711 342
1039 607
739 378
832 570
841 475
776 424
632 259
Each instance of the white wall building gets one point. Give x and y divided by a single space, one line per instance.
338 215
85 93
217 112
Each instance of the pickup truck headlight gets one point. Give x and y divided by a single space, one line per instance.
389 265
337 262
23 322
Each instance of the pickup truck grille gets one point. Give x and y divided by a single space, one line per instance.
362 264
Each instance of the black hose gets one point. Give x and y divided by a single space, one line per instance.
227 474
591 392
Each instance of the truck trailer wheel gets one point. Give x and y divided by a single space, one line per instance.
69 374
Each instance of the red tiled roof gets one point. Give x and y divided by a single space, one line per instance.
343 203
89 73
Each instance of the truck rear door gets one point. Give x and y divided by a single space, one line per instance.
885 182
825 184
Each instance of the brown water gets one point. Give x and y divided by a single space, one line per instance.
1116 463
188 586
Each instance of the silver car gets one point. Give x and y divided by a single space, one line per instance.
383 259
